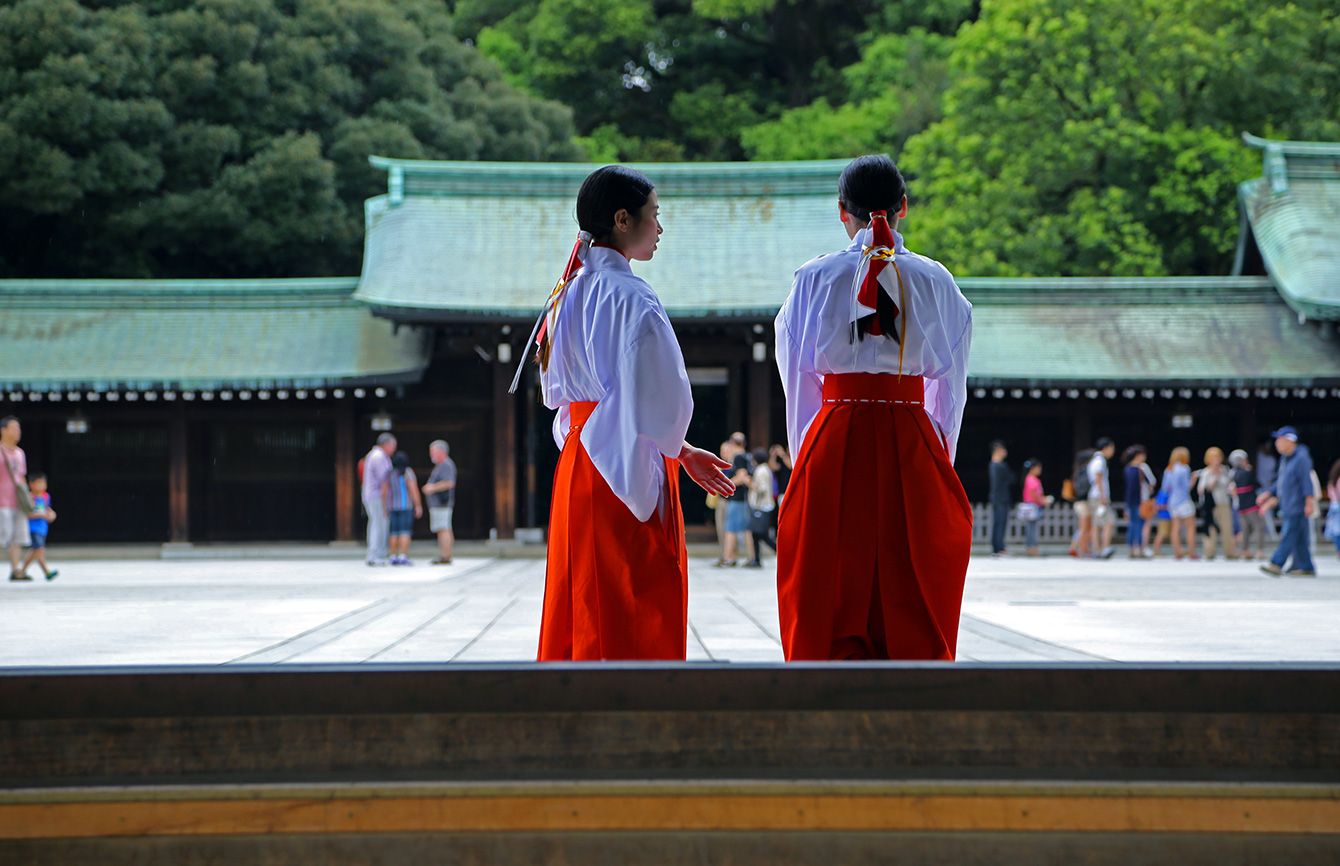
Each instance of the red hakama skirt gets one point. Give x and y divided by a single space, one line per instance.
874 531
614 587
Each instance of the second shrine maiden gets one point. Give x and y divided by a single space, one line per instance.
875 530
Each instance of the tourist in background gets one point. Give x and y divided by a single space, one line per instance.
762 506
441 492
1162 522
1214 483
39 524
13 487
376 469
1293 494
403 507
1333 506
738 540
1267 465
1031 508
1177 484
1104 519
1000 479
1251 542
1140 507
1076 490
779 460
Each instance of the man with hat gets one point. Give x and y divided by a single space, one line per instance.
1293 492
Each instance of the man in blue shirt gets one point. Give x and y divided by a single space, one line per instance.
1292 490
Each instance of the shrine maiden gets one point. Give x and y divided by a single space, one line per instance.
616 578
875 529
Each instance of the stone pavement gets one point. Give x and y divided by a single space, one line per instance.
273 611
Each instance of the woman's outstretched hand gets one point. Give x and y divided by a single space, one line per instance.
706 469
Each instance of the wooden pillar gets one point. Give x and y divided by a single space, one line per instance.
760 404
1247 426
734 385
346 474
179 490
504 452
1082 421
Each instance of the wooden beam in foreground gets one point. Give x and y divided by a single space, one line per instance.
659 807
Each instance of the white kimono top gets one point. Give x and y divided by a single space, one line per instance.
814 335
612 343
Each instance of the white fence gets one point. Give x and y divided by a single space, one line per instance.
1058 524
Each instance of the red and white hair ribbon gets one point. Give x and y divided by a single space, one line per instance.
877 256
540 334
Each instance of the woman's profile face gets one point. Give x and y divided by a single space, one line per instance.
639 240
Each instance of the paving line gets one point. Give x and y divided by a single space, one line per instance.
363 615
474 640
420 627
744 610
1028 643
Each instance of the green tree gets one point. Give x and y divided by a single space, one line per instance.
230 137
892 92
1102 137
674 76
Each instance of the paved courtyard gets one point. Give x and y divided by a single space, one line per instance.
277 611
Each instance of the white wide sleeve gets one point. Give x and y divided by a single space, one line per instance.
802 386
643 416
947 394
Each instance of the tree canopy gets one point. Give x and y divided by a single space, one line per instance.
230 137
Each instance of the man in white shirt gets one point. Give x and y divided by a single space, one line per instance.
1100 497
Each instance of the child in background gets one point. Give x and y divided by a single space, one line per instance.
1162 522
39 524
404 506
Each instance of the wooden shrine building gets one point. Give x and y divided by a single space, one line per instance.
218 410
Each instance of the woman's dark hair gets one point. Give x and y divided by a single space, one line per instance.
400 462
1030 463
871 183
1334 477
605 192
1133 452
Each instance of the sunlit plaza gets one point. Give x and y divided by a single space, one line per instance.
487 609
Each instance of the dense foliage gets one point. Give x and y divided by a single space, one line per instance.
225 137
230 137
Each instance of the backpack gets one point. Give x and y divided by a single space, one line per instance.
1080 479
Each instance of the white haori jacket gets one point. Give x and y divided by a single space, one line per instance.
815 337
612 344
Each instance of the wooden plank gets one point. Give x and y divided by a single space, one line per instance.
705 812
184 691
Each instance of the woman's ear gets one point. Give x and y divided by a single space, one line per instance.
902 209
623 220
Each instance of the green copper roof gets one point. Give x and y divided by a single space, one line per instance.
1294 213
453 240
1213 331
189 334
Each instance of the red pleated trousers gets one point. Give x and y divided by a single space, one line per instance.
874 531
614 587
